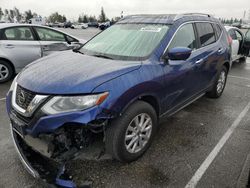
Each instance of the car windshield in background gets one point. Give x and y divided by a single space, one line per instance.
126 41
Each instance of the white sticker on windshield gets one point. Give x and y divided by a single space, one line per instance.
150 29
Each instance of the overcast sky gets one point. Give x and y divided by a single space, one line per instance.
112 8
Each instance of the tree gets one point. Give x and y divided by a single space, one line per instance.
1 13
28 15
92 19
102 17
85 19
17 14
56 17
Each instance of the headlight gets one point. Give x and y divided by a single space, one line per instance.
60 104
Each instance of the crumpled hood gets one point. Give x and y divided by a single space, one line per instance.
71 73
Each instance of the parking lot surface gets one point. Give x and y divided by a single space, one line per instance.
206 142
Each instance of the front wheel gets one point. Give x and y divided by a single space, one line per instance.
6 71
130 135
219 84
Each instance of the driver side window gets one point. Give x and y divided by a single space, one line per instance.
184 37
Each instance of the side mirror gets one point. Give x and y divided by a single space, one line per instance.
179 53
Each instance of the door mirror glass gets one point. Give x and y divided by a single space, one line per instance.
179 53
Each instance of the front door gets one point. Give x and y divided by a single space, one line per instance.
246 44
180 80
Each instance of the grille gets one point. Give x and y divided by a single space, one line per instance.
23 97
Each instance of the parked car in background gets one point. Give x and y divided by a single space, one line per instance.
238 43
80 26
67 25
20 44
103 26
93 24
121 83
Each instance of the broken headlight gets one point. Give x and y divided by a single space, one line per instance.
60 104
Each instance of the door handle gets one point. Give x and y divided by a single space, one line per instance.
220 50
199 61
9 46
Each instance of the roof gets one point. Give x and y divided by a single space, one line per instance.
4 25
165 18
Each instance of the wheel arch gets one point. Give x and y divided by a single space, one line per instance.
148 98
11 64
227 65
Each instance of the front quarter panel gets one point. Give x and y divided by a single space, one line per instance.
124 90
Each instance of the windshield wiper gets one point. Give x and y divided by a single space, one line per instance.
102 56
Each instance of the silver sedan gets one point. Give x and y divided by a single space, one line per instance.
20 44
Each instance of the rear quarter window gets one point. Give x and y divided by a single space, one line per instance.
206 33
218 30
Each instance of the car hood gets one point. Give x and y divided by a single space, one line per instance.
71 73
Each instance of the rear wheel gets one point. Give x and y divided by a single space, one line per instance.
6 71
219 84
130 135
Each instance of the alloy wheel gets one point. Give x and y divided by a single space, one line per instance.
4 72
138 133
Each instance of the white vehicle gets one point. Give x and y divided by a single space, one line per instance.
238 39
79 26
38 21
21 44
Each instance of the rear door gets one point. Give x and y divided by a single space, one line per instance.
52 40
246 44
18 44
208 55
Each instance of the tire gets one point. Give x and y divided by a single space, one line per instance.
119 128
217 91
243 59
6 71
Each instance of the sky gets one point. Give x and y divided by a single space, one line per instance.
72 8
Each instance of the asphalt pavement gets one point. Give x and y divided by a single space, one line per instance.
207 144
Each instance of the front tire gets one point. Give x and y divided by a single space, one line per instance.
6 71
130 135
219 84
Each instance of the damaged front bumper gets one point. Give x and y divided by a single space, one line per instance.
39 166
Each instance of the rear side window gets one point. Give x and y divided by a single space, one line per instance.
184 37
205 33
49 35
218 30
17 33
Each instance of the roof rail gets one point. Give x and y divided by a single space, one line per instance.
178 16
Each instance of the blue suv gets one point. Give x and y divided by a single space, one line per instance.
119 84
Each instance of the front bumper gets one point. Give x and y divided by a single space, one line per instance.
22 157
39 166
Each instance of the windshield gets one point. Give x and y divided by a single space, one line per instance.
126 41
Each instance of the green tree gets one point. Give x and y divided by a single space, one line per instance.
17 14
92 19
28 15
56 17
85 19
102 17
